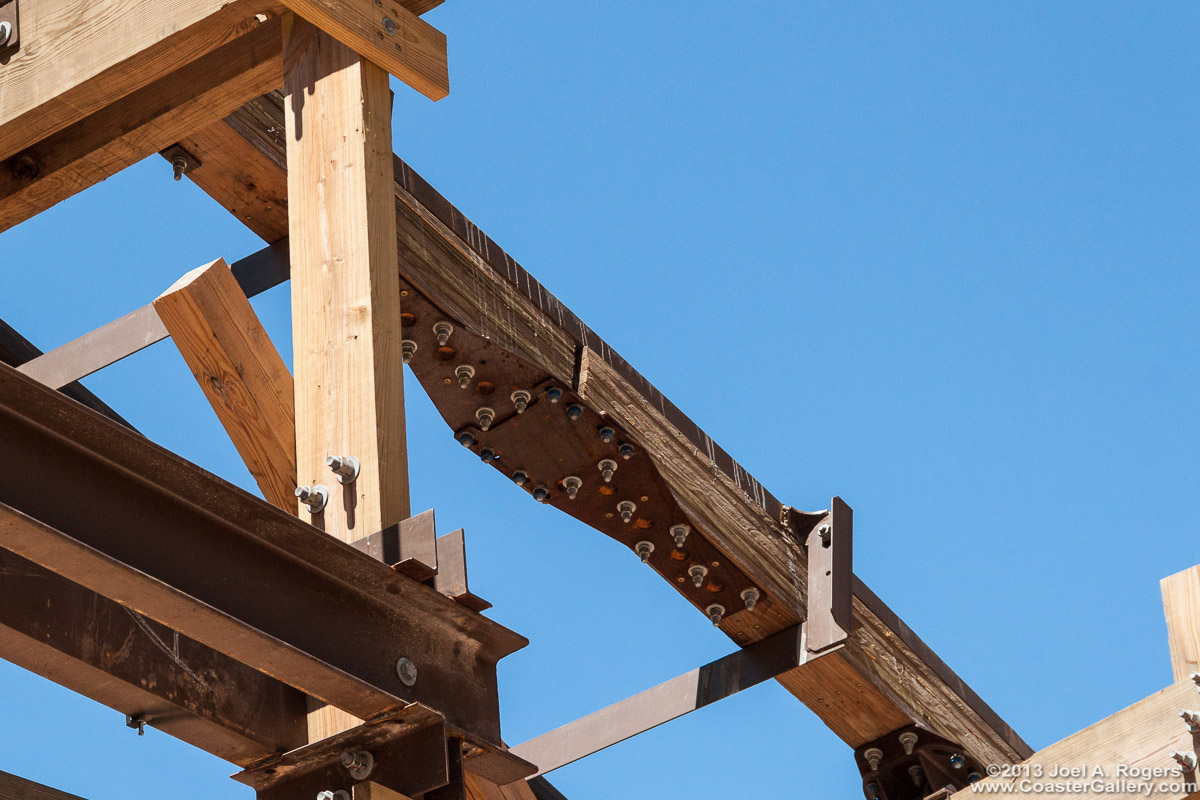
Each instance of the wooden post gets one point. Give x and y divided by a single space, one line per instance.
345 290
1181 604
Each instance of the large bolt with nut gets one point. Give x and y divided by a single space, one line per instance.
697 572
359 763
1186 761
442 331
406 671
333 794
314 498
1191 719
626 508
572 484
750 598
520 399
873 756
680 533
408 349
5 33
644 549
715 612
607 468
345 467
464 373
485 416
908 740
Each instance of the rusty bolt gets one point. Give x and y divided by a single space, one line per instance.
464 373
487 455
442 331
1192 719
626 450
408 349
359 763
697 572
908 740
957 761
572 484
750 596
873 755
607 468
520 478
626 508
520 399
574 411
554 394
680 534
541 494
465 438
644 549
607 434
715 612
485 416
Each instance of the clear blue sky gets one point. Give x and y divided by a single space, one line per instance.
937 258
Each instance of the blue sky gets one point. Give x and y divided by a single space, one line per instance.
938 258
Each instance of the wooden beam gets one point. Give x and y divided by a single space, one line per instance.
75 59
387 34
14 788
240 372
345 290
141 123
1181 604
1139 738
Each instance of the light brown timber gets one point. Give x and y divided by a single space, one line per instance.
1181 604
345 290
366 790
15 788
77 58
240 372
389 35
140 124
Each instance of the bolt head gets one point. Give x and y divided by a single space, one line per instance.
389 25
5 32
406 671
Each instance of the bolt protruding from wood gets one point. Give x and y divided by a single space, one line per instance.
345 467
680 533
908 740
625 449
485 416
360 763
520 399
873 755
465 438
697 572
715 613
464 373
574 411
554 394
1195 676
572 484
607 434
541 494
750 598
408 349
607 468
626 508
314 498
442 331
643 550
1192 719
179 165
1186 761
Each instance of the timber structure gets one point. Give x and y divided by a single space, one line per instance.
374 672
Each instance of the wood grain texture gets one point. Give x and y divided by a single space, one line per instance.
15 788
240 372
373 791
77 58
140 124
388 34
1181 605
1141 736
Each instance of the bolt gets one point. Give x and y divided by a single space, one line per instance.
408 349
520 478
338 794
908 740
607 468
697 572
521 400
554 394
487 455
465 438
957 761
485 416
873 755
607 434
974 777
1186 761
358 763
314 498
1195 676
137 722
680 534
389 25
872 791
625 450
626 508
572 484
406 671
442 331
179 165
5 33
1192 719
644 549
917 774
750 596
345 467
464 372
541 494
825 533
715 612
574 411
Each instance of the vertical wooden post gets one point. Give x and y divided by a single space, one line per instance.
345 290
1181 604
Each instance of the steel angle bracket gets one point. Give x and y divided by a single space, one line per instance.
828 538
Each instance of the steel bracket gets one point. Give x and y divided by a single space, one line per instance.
912 763
829 542
10 28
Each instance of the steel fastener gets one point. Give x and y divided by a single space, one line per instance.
314 498
572 484
333 794
607 434
957 761
1186 761
442 331
554 394
389 25
465 438
408 349
574 411
5 32
520 399
607 468
485 416
715 612
345 467
541 494
464 373
750 597
406 670
487 455
1192 719
873 755
917 774
908 740
626 508
625 450
520 478
137 722
358 763
697 572
680 533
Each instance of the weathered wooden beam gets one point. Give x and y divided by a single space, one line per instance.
1126 756
389 35
240 372
140 124
884 679
14 788
1181 604
76 59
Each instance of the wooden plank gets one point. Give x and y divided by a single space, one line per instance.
77 58
388 34
1181 604
886 677
15 788
368 790
345 290
240 372
1139 738
140 124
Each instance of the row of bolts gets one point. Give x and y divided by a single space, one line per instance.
1187 761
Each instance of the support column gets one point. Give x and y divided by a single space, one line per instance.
345 290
